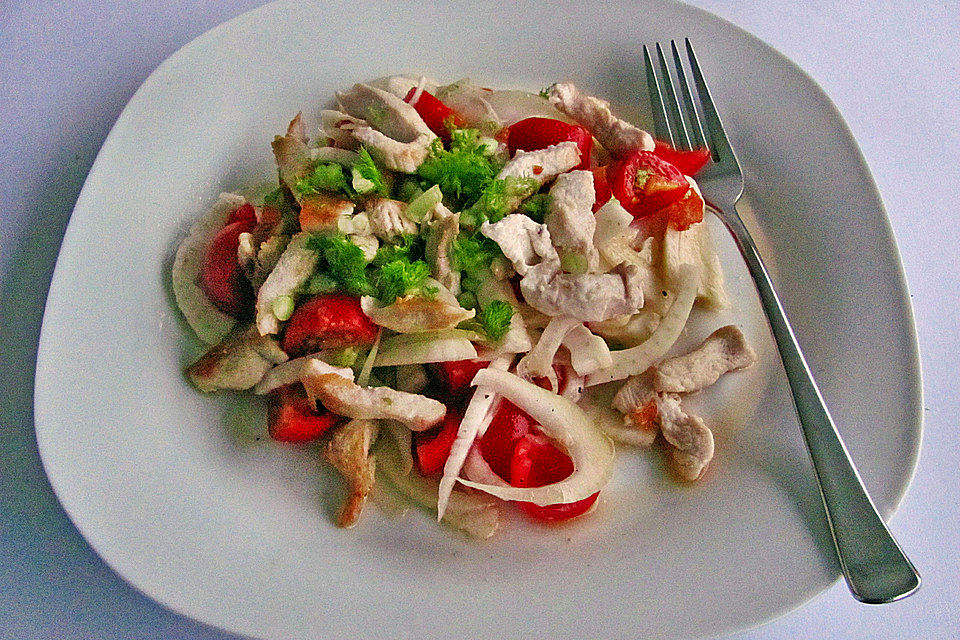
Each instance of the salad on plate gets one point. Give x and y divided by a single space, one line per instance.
445 280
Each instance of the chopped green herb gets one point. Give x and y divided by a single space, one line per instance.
399 277
366 172
345 263
463 170
545 92
326 176
472 253
536 206
320 283
408 246
495 319
499 197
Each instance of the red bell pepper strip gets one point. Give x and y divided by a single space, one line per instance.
532 134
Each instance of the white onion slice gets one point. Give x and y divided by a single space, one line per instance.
425 351
476 418
591 451
476 468
641 357
476 515
538 363
512 106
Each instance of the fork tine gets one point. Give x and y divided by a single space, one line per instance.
720 147
697 139
673 105
661 124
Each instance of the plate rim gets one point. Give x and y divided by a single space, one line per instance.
904 301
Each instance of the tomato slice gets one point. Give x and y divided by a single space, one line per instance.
437 116
508 425
686 211
688 162
532 134
457 375
292 417
601 187
537 462
644 184
245 213
327 321
432 447
221 277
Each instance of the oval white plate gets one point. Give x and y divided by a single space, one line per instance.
176 493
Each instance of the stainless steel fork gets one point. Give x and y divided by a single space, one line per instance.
875 568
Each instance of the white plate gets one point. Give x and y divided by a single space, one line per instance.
173 490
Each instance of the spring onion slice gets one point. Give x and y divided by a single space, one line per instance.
638 359
591 451
476 418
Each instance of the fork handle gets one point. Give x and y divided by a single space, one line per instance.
874 566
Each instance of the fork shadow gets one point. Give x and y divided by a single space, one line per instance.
43 553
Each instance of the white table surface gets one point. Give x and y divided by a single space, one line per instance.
66 71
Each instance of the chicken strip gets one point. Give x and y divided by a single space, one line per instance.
617 136
348 450
294 268
724 350
239 362
346 398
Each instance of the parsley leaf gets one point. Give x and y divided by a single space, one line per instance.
472 253
463 170
345 263
536 206
498 198
366 175
326 176
495 319
408 246
399 277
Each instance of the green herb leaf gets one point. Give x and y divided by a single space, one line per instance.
495 319
536 206
499 197
399 277
368 171
345 263
326 176
408 246
463 170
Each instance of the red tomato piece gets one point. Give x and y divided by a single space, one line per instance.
432 447
537 462
292 417
222 278
600 187
544 382
327 321
686 211
245 213
437 116
644 184
532 134
508 425
457 375
688 162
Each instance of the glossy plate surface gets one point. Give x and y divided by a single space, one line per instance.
177 493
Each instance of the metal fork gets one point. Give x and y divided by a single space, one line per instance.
875 568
